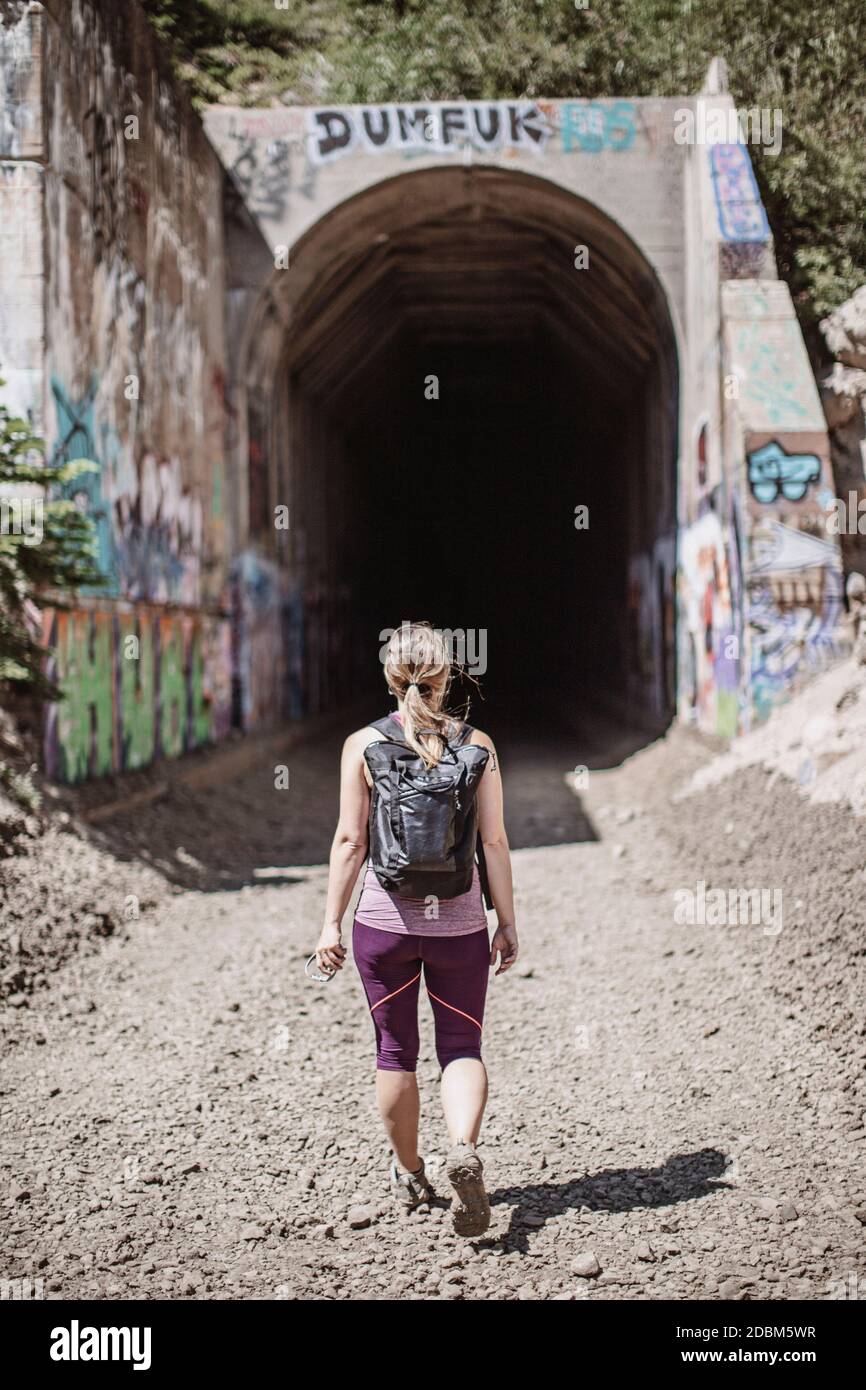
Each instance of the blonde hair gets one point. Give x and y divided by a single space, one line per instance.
418 669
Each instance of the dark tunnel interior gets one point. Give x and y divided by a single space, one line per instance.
475 494
454 390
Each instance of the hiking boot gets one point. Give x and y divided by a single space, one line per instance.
410 1189
470 1210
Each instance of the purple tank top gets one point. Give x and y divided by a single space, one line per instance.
415 916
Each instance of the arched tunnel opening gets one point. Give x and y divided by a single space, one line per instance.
467 359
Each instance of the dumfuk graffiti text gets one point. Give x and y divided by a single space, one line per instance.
436 128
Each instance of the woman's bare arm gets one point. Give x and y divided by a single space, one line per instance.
349 848
497 855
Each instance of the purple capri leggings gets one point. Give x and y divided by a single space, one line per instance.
455 975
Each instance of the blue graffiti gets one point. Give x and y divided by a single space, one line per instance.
591 126
772 470
76 439
738 202
784 643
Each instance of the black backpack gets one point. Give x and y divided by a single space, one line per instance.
423 832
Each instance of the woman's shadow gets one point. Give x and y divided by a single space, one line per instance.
681 1178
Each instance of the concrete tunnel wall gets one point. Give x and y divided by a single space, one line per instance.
112 342
278 308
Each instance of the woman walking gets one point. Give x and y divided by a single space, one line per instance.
420 791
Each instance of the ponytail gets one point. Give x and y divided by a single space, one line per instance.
418 670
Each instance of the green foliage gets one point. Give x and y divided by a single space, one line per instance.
20 786
50 553
807 59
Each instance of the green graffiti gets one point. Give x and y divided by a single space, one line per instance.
202 713
172 691
85 714
217 497
727 713
137 705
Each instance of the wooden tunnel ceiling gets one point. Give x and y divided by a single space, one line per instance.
488 270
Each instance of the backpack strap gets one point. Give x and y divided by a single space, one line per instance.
482 872
390 727
462 738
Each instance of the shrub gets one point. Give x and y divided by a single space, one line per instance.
37 562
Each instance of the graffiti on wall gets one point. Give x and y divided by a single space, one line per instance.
791 588
122 238
260 616
264 176
290 642
795 588
590 127
767 358
148 524
76 439
137 684
266 153
769 363
743 226
272 154
131 343
436 128
487 127
710 627
792 572
18 47
773 472
739 208
158 532
701 458
103 156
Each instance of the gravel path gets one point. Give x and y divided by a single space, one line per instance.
676 1111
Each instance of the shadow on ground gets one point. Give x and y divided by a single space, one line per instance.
681 1178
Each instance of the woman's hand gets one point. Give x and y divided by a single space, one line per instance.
330 951
505 943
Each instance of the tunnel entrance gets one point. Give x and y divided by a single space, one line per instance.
466 357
